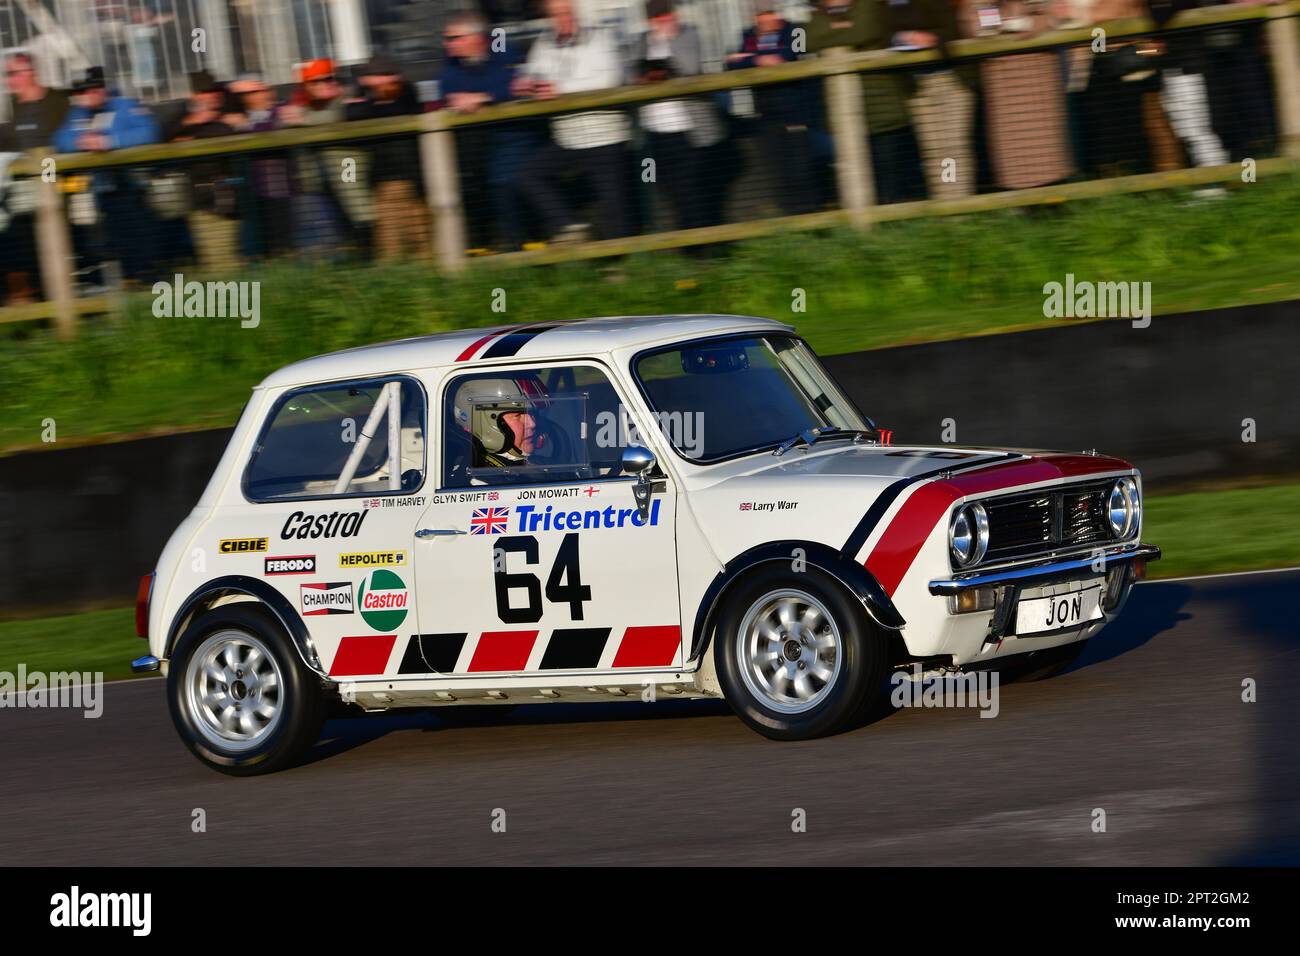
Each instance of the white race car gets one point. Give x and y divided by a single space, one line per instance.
627 508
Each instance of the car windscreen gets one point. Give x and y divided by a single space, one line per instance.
718 398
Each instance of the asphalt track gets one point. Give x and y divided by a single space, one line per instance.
1149 726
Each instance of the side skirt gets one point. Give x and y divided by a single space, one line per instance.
524 689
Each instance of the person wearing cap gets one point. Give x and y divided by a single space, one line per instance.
573 57
271 229
681 131
214 214
326 209
401 229
99 121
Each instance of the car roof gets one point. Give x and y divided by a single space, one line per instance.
572 338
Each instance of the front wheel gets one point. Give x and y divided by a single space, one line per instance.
797 655
240 697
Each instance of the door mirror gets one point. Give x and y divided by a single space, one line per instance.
637 460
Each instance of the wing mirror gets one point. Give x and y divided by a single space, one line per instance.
640 461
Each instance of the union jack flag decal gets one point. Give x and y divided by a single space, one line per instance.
489 520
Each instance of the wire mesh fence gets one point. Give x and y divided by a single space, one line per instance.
504 162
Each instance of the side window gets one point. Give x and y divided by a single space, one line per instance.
531 425
361 438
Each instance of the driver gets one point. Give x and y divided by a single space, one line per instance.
498 415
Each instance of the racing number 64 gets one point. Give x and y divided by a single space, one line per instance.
563 585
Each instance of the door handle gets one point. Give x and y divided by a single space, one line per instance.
436 532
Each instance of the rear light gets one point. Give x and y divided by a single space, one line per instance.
142 595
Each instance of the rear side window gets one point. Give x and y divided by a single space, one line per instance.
325 441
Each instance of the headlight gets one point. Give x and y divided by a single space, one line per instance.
1124 508
968 535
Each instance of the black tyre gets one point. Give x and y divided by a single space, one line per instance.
240 696
796 654
1041 665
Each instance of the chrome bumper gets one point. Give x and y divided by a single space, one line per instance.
1043 572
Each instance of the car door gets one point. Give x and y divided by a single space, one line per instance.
543 566
332 492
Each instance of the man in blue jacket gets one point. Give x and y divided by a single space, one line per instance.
97 122
479 73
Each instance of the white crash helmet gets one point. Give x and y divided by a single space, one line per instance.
480 403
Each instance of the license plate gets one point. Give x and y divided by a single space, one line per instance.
1058 612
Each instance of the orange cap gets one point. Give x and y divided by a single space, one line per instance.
317 70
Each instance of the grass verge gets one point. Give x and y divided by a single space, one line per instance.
1200 533
899 283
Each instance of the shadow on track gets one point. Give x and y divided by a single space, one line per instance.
344 734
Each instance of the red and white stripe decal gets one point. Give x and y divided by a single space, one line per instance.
362 655
503 651
472 350
897 547
649 646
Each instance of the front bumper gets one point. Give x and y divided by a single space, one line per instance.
1044 571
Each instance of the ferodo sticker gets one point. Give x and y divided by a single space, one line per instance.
372 559
384 600
241 545
329 597
291 564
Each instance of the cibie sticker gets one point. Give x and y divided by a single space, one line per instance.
327 597
384 600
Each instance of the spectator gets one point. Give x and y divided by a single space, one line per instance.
895 157
401 215
1026 125
326 206
38 112
271 228
681 132
571 58
785 110
1186 100
943 106
214 208
491 157
99 121
1125 126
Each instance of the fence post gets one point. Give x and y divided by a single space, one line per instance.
442 190
848 122
1284 54
54 248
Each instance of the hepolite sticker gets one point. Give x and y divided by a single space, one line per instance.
384 600
372 559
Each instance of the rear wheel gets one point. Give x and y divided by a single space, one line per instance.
797 656
240 697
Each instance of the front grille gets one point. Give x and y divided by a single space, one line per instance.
1053 519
